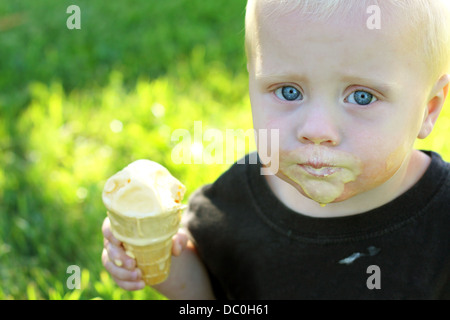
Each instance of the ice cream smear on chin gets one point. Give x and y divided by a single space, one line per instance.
143 188
321 175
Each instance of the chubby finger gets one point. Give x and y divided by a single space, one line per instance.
119 273
107 233
119 257
179 242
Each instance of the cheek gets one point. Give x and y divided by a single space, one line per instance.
282 124
272 122
395 159
380 164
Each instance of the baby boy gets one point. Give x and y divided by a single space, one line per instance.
353 211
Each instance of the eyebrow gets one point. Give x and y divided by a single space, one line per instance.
279 77
383 87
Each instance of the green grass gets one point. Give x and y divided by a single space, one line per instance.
78 105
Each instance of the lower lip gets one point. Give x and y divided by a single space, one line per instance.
322 172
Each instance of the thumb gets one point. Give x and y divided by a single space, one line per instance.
179 242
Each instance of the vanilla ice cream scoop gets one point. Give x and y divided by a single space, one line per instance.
143 188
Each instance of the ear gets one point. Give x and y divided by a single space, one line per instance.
434 105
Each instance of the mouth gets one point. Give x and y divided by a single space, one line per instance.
319 170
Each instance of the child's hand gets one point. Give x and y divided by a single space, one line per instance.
122 267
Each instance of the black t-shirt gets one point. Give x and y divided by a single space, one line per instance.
254 247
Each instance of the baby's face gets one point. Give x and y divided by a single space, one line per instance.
348 102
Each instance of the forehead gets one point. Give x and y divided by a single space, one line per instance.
307 10
290 36
282 18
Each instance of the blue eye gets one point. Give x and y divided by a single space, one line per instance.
362 98
288 93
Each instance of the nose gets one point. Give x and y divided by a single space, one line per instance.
318 127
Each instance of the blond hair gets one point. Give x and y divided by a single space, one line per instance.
429 20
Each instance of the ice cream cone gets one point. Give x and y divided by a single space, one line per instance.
143 202
153 260
148 240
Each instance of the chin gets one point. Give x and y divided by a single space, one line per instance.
345 195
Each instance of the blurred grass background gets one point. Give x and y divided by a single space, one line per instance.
78 105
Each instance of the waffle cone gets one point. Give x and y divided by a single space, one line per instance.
153 260
148 240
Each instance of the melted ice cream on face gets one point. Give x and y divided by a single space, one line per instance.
320 172
142 188
324 189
